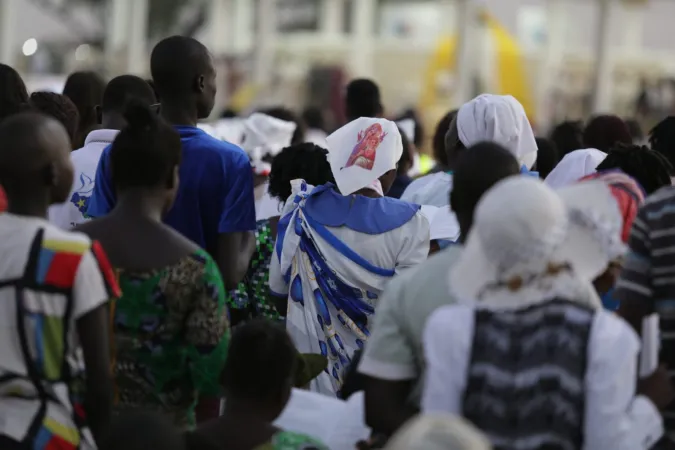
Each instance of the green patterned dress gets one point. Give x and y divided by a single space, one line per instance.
171 335
251 294
287 440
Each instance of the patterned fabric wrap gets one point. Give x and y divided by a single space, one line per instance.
525 382
171 336
251 294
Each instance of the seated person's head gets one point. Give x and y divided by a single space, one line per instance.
261 368
146 156
117 95
85 90
662 140
438 140
547 157
407 157
287 115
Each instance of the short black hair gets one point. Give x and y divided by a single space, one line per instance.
261 362
662 139
362 100
438 141
306 161
145 152
547 157
285 114
649 168
568 137
13 92
120 90
60 107
605 131
479 168
314 118
175 63
142 431
85 89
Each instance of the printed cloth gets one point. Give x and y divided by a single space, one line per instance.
49 279
171 335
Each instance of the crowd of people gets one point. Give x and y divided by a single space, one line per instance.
290 287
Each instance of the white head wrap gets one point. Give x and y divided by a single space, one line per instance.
574 166
265 136
500 119
362 151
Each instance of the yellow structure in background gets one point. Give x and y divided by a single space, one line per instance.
510 77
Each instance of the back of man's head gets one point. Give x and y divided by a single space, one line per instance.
176 63
122 89
363 100
478 169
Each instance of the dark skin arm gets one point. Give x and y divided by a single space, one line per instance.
92 329
234 255
633 312
387 408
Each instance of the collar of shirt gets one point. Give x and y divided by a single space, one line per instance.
103 136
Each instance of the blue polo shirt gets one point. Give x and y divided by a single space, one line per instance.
215 194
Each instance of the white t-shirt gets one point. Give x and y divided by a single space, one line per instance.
56 280
85 162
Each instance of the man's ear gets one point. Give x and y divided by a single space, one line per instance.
98 111
200 83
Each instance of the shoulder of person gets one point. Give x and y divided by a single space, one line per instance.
75 240
423 276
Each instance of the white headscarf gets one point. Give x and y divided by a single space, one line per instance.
265 136
500 119
362 151
574 166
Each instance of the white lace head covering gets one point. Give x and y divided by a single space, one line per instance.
362 151
438 432
265 136
574 166
500 119
529 244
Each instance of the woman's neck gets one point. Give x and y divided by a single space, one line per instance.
140 203
368 193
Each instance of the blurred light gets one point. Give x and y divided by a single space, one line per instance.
30 47
82 52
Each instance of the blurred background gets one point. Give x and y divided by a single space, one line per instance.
563 59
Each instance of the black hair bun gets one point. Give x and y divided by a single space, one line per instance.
139 116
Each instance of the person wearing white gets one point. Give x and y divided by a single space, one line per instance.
336 251
574 166
522 283
493 118
264 138
116 96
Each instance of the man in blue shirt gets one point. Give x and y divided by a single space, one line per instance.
215 204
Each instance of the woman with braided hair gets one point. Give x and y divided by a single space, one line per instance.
650 168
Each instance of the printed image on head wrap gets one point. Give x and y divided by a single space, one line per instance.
365 149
